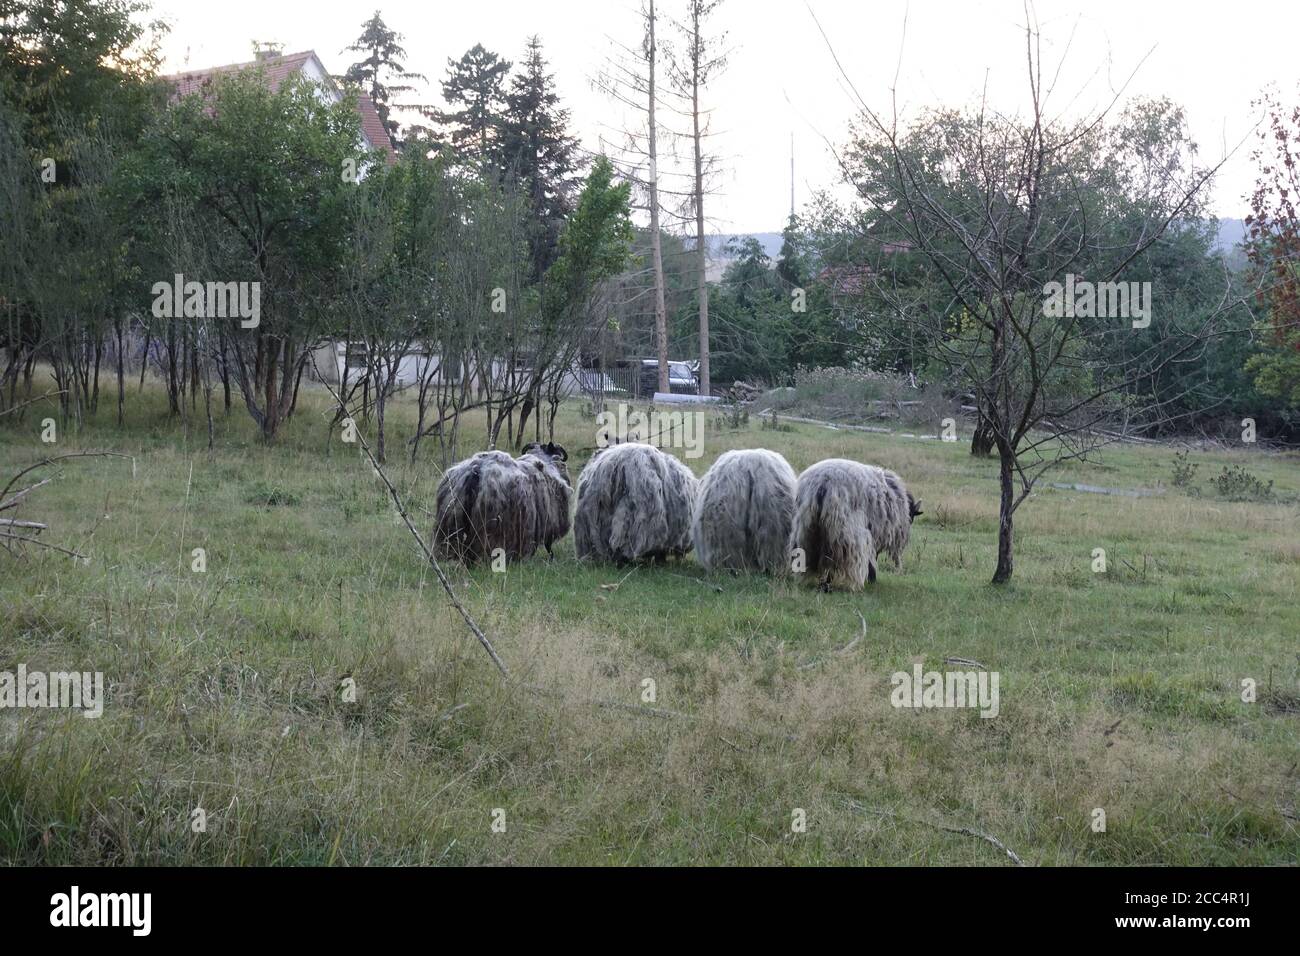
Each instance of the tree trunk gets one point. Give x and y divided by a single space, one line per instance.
982 442
1006 536
144 357
271 422
99 354
121 374
661 312
700 263
225 369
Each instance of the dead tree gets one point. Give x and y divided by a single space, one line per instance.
630 79
690 71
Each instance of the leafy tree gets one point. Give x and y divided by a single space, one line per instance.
66 63
1274 248
75 88
264 173
998 209
391 283
594 247
381 66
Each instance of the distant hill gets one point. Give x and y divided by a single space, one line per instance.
770 241
1231 232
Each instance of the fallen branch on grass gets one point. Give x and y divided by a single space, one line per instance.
9 502
843 650
42 544
49 461
967 831
428 552
31 401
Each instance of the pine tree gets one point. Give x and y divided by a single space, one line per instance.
384 56
474 91
790 266
539 153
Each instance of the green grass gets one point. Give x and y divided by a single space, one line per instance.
1119 690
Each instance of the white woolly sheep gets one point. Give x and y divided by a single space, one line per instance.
494 501
845 513
634 504
744 512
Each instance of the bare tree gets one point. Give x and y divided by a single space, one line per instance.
1002 214
700 61
630 78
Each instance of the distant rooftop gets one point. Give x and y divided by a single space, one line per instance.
278 67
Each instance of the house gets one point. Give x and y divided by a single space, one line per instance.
277 67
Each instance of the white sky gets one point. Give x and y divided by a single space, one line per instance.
782 80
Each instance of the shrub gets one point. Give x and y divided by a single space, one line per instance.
1235 483
272 496
1184 469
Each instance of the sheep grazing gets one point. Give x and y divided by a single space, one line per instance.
744 512
634 504
493 501
845 513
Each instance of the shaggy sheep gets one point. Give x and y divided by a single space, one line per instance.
845 513
494 501
634 504
744 512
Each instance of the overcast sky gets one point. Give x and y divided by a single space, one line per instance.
782 80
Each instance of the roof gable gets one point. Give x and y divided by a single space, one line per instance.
277 69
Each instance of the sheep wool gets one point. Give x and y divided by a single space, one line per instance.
845 514
634 504
492 501
744 512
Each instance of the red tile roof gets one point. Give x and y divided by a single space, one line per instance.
374 127
276 70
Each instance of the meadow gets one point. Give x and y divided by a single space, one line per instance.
1119 691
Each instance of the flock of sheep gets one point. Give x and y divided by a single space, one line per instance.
637 503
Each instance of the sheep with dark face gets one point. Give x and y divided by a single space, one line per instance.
845 514
493 501
744 512
634 504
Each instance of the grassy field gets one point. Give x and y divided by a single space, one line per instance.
1119 691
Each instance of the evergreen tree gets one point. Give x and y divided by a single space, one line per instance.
539 153
383 61
474 91
791 266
